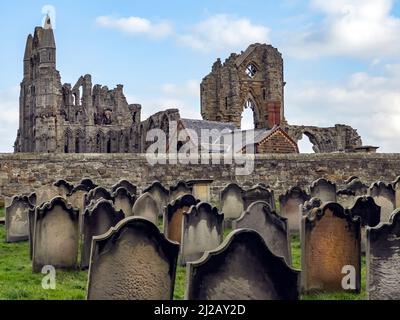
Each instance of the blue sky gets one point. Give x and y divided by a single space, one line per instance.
342 57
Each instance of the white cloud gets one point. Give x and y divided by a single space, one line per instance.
136 26
357 28
370 104
9 110
224 32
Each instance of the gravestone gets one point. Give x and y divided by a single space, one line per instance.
369 213
290 204
146 207
160 194
133 261
330 243
323 189
88 184
396 187
32 199
383 260
202 230
56 235
180 189
97 220
357 186
259 193
46 194
173 216
123 200
346 198
272 227
16 219
64 188
132 189
77 198
232 204
242 268
384 196
201 189
96 194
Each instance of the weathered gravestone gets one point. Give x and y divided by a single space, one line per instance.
259 192
88 184
202 230
290 204
123 200
369 213
77 198
46 194
133 261
324 190
396 187
357 186
17 225
97 220
173 216
330 248
64 188
56 235
160 194
180 189
242 268
132 189
232 203
201 189
32 199
272 227
384 196
383 260
346 198
146 207
97 194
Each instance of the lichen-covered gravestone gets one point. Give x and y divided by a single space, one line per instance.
46 194
202 230
173 216
201 189
146 207
123 200
383 260
242 268
272 227
97 220
77 198
132 189
160 194
96 194
290 204
17 225
331 246
324 190
180 189
232 204
259 193
133 261
384 196
56 235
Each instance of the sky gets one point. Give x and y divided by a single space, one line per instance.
342 57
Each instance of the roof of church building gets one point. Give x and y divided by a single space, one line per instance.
198 125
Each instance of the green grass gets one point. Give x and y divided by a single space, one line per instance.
2 213
17 282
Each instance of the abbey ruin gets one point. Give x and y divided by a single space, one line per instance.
82 118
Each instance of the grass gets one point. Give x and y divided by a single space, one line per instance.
17 282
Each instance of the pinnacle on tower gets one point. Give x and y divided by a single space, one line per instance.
47 23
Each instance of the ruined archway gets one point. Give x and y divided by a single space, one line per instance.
306 146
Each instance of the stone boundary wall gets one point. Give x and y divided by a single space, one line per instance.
22 173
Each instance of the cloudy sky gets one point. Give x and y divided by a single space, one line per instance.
342 57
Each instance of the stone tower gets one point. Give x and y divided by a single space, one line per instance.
40 97
254 79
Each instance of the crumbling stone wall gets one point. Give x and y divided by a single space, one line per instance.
21 173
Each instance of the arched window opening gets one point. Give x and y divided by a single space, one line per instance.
305 145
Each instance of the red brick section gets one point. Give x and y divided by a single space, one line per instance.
274 114
277 142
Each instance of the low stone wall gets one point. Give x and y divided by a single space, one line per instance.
22 173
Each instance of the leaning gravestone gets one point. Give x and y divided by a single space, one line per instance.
146 207
242 268
160 194
96 194
17 225
123 200
202 230
132 189
384 196
173 216
232 204
133 261
180 189
272 227
383 260
64 188
259 193
290 204
56 235
324 190
330 244
97 220
201 189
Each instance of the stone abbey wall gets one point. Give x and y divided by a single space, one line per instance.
21 173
